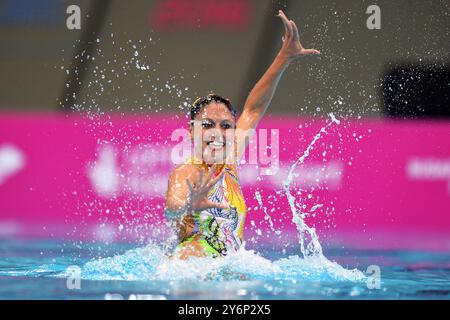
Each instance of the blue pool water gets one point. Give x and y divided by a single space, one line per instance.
38 269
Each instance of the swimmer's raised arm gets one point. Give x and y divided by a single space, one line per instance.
187 192
261 95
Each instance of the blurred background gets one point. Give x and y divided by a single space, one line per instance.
221 46
143 61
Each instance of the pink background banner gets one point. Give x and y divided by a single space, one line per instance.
370 183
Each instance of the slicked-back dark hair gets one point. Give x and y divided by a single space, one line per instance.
199 103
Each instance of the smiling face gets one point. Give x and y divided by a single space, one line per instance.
216 124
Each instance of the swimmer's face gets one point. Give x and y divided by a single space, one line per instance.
217 125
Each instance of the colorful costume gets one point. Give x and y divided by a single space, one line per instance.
220 231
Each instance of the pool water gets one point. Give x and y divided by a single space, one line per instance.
40 269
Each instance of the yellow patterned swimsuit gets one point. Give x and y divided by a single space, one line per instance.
220 231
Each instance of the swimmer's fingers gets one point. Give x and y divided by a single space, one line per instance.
191 194
194 194
292 48
295 33
310 51
189 184
200 179
287 25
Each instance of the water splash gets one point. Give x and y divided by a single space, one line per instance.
151 263
313 248
266 215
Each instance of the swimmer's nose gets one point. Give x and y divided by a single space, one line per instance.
218 138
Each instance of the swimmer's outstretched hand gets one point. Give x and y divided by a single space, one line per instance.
198 193
292 48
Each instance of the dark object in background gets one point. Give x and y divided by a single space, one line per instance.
417 92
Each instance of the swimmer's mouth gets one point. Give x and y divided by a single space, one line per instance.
216 144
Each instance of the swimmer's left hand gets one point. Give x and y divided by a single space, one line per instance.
292 48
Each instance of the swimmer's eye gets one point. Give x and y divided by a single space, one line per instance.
226 125
207 125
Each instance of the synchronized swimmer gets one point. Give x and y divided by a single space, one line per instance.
204 199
